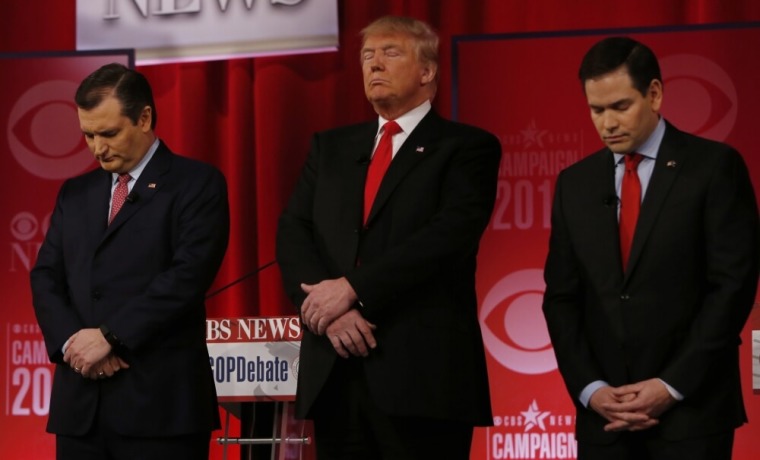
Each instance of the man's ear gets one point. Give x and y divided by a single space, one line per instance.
654 94
429 72
146 118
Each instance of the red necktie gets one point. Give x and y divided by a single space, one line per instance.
630 203
379 164
119 195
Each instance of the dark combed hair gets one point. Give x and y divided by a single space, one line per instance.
130 87
614 52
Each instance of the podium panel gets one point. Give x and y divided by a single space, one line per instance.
254 361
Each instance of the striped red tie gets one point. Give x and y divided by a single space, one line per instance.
119 195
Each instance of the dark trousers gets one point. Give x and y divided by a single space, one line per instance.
648 445
103 443
349 426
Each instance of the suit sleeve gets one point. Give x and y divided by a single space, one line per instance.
174 298
562 305
731 249
296 250
52 306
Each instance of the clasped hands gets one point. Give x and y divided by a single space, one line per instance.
327 310
632 407
89 354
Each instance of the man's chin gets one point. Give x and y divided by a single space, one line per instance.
618 148
110 166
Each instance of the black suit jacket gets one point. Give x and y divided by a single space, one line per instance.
145 277
677 312
417 253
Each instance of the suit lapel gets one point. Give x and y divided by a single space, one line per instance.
98 197
145 188
607 239
420 144
670 159
360 146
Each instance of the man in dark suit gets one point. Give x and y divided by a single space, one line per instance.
119 285
646 334
392 362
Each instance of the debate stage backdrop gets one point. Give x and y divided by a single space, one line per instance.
253 119
544 125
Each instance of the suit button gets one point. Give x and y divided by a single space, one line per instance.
95 295
625 297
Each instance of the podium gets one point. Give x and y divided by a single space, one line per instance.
254 361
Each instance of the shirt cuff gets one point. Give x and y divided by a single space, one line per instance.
587 392
673 392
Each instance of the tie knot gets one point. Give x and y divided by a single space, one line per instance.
391 128
124 178
632 161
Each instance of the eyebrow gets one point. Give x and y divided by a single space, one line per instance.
611 105
102 132
384 47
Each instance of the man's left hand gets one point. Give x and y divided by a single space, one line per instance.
85 349
651 398
326 301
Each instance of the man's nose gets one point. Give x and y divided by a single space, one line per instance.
609 121
100 145
376 63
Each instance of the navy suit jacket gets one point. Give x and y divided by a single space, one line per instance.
144 277
678 310
417 253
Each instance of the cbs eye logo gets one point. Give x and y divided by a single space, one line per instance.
513 325
700 96
25 225
43 132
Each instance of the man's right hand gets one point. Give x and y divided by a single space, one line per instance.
351 334
619 421
107 367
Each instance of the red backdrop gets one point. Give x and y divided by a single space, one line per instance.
544 125
253 118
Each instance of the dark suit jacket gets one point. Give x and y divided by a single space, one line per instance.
416 276
145 277
689 286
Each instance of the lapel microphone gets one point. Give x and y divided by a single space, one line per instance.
610 201
132 197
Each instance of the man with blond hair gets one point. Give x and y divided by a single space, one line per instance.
377 249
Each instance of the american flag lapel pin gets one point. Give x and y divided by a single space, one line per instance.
152 185
671 164
420 149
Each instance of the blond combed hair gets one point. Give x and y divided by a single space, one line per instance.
425 38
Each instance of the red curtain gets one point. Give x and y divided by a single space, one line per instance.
253 118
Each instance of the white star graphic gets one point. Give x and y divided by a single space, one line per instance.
534 417
532 135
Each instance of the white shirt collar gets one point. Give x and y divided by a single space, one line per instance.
410 119
137 170
651 146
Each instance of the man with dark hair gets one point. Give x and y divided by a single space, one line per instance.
651 273
130 88
381 265
119 285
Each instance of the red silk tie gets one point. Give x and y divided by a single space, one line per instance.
630 203
119 195
379 164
